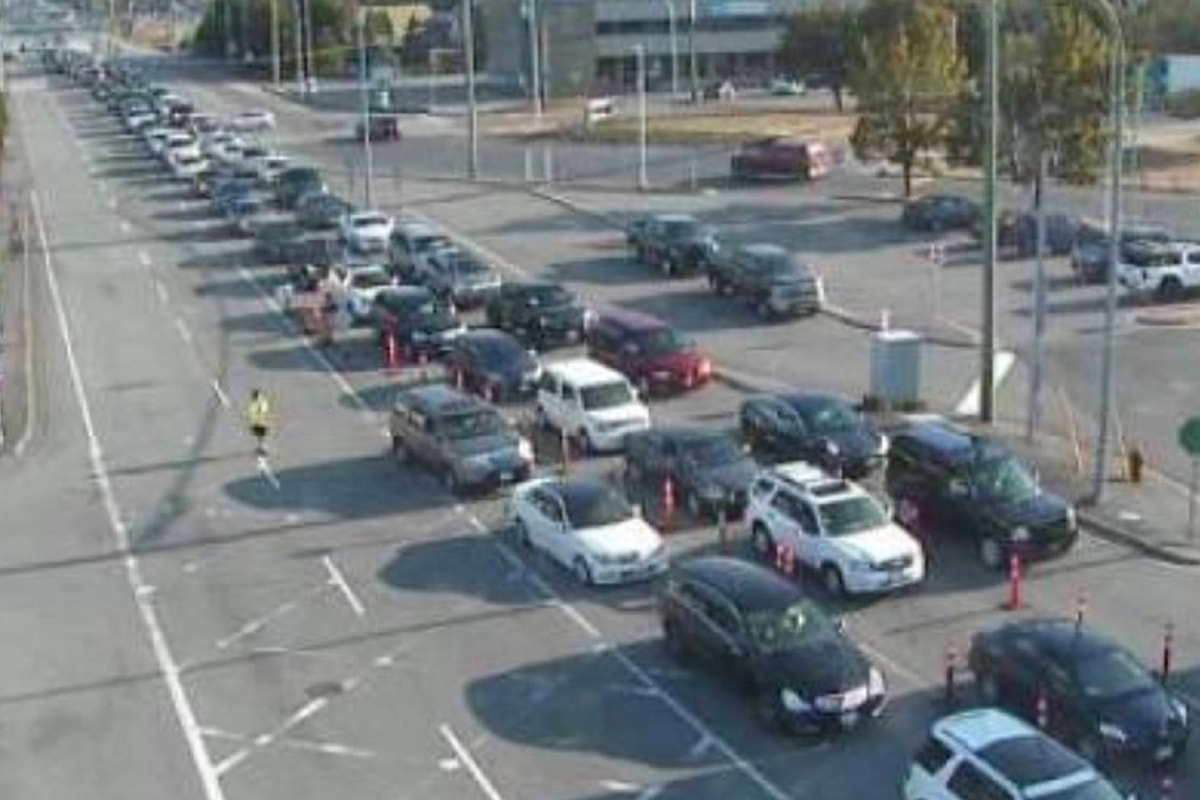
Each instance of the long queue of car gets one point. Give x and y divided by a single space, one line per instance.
789 473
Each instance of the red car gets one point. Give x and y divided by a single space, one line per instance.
781 157
655 356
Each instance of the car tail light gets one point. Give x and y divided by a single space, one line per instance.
705 368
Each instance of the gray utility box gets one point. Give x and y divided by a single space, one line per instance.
896 367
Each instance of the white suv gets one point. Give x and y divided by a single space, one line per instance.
986 753
587 400
833 527
1164 269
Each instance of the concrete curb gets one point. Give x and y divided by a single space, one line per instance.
1116 534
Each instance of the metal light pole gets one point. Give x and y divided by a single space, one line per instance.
472 115
1033 415
310 65
1117 101
674 47
276 69
299 44
639 51
535 61
695 80
365 100
987 365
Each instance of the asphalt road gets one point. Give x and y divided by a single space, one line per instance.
337 625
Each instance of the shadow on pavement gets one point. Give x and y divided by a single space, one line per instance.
467 564
603 271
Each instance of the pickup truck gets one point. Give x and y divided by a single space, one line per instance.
674 243
774 282
1167 271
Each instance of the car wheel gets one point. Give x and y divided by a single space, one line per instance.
399 451
673 640
1170 289
760 540
908 515
583 573
667 267
521 531
987 688
451 482
832 580
990 553
763 309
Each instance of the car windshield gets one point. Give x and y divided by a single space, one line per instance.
500 351
605 395
594 509
851 515
778 630
1094 789
713 451
1112 673
548 296
1005 479
663 341
369 220
831 417
369 278
471 425
463 265
426 243
682 228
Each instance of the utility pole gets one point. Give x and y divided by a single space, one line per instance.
987 366
365 99
298 25
310 64
472 115
1117 102
1033 417
535 61
112 20
640 53
276 69
670 4
695 79
226 23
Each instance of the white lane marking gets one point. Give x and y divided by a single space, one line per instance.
620 786
184 330
264 469
467 760
1002 363
220 393
31 398
167 665
144 258
701 747
552 597
267 739
327 748
650 793
160 289
471 244
255 625
336 578
126 227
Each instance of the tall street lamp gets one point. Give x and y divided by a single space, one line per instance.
639 51
670 4
535 61
692 71
468 28
365 102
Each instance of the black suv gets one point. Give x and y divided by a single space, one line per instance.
539 312
420 324
707 468
949 481
461 438
674 243
936 213
819 428
1099 698
805 674
295 182
773 281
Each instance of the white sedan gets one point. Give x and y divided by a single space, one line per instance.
187 165
363 282
588 527
249 121
366 231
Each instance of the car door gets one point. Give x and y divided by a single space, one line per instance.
782 519
714 635
542 517
550 399
604 343
1191 268
1020 676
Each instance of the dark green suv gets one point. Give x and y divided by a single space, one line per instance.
946 481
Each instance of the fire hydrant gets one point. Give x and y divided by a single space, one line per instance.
1136 462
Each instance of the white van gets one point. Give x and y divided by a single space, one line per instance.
587 400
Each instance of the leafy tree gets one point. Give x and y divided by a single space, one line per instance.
821 40
378 28
907 81
1164 26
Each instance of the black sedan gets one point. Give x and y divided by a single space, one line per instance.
805 674
540 312
936 213
708 470
321 211
1016 231
422 327
819 428
494 364
1098 696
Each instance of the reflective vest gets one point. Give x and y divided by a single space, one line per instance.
259 412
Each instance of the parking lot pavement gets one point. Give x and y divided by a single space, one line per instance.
346 624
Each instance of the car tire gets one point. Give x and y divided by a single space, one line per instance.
761 541
987 688
521 532
1170 289
583 573
451 482
399 451
832 580
990 553
667 267
673 641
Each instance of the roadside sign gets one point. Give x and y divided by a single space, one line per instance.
1189 437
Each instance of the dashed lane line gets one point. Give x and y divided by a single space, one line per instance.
467 760
338 580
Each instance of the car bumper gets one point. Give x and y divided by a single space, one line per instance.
861 468
608 574
880 581
1149 751
473 297
1043 548
676 380
497 476
794 306
614 439
814 721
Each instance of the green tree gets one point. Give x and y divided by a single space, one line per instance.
908 79
379 29
822 40
1165 26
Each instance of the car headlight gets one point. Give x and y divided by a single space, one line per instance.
793 702
1020 534
1072 519
859 565
524 449
875 683
1112 732
831 448
885 444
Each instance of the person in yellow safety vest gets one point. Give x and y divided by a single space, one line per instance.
259 417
